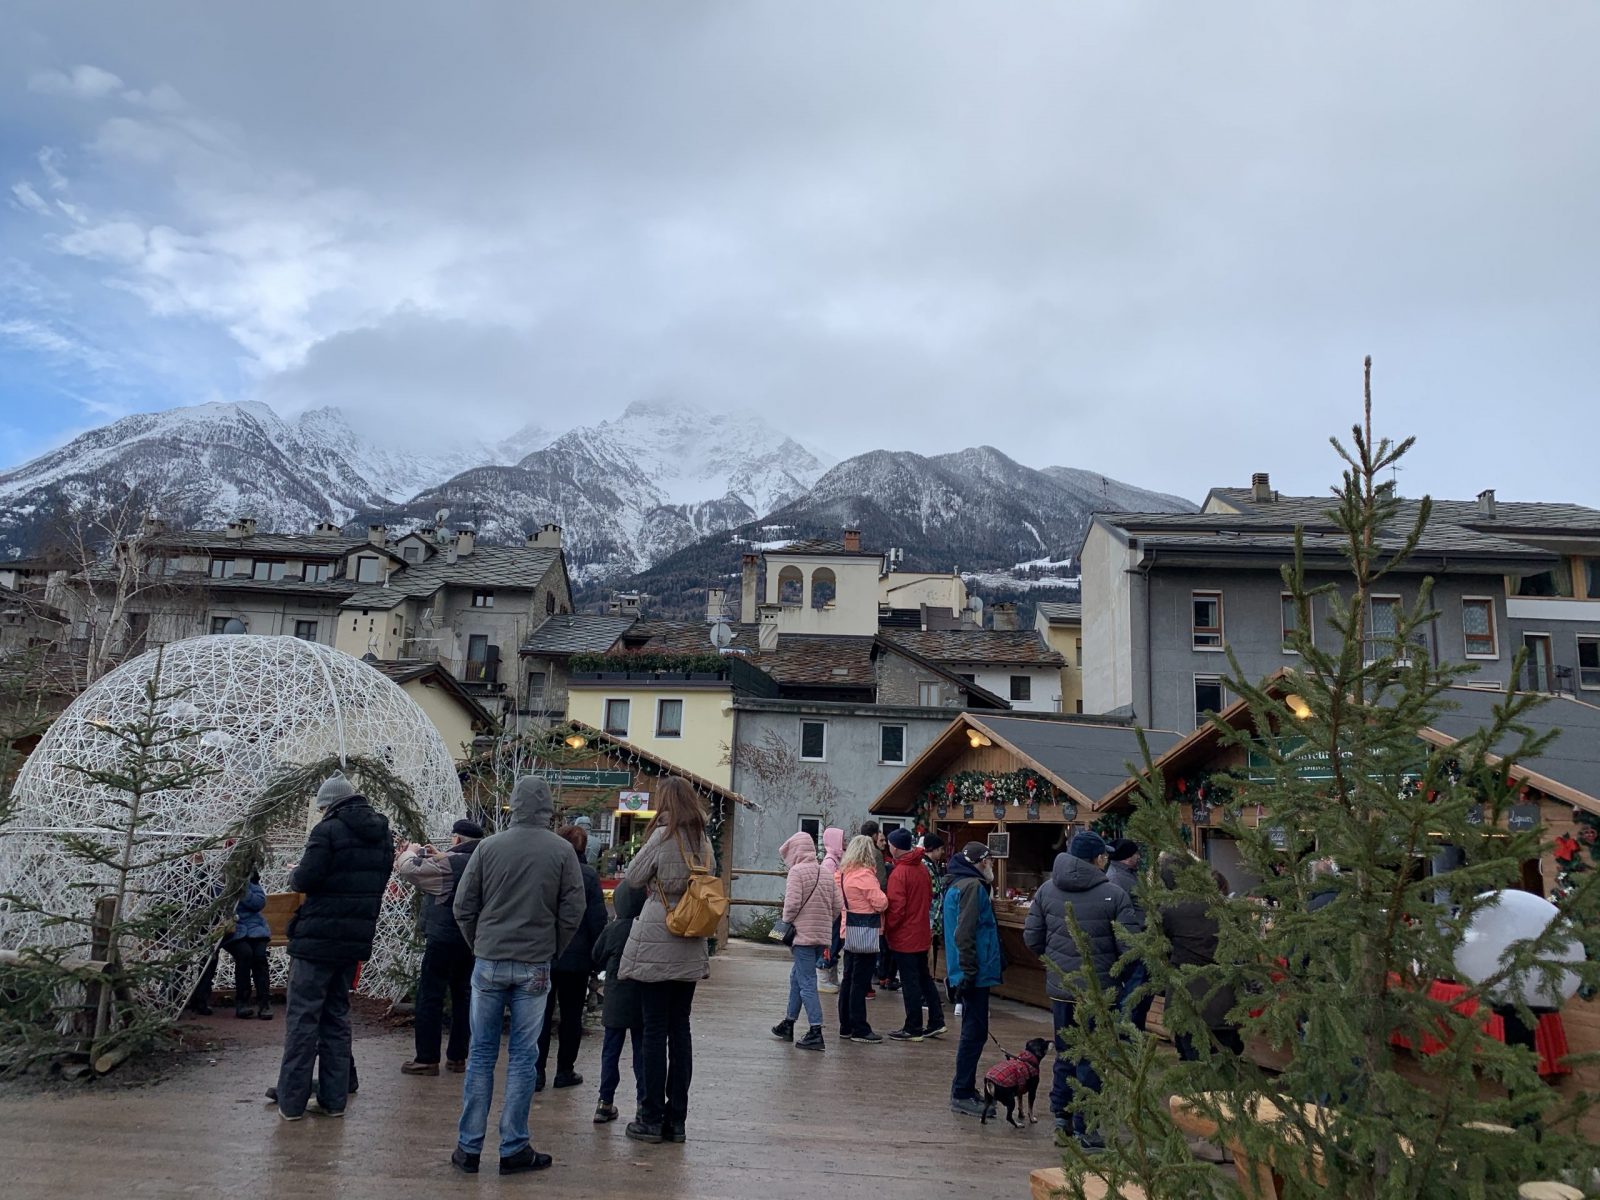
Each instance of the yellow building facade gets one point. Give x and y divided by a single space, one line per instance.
687 723
1062 628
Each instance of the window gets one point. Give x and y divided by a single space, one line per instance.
669 718
1591 577
220 624
969 677
267 569
483 599
158 565
549 604
814 741
1540 669
367 568
617 718
1207 620
892 744
1080 653
1022 687
536 684
1291 621
1080 706
1557 582
411 552
1589 663
791 587
1207 696
1477 623
221 568
317 572
1383 627
306 631
824 586
813 826
928 694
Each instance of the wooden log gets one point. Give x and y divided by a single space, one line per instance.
16 958
110 1059
1049 1183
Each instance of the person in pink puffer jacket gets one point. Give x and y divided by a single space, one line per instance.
832 855
811 905
862 902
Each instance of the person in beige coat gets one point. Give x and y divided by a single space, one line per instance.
666 967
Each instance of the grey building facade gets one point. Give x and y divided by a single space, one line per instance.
1166 597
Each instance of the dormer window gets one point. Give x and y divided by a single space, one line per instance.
483 598
318 572
221 568
411 552
267 569
367 568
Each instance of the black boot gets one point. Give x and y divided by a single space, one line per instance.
784 1029
640 1131
812 1040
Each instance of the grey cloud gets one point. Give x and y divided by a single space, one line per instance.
1153 240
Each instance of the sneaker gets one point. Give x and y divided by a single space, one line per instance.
871 1039
526 1159
936 1031
604 1113
1063 1135
970 1106
784 1030
1091 1143
905 1035
871 994
264 1013
456 1066
812 1040
890 985
460 1159
566 1079
828 989
638 1131
315 1105
272 1094
419 1068
287 1117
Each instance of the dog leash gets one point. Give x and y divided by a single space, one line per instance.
1003 1050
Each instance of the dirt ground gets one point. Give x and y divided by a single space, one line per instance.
765 1120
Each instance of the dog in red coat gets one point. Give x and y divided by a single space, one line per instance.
1013 1081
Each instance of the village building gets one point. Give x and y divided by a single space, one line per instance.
458 716
1061 626
1167 596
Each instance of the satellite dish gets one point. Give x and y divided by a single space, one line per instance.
721 635
233 625
440 517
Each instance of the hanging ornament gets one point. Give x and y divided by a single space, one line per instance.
1033 808
966 811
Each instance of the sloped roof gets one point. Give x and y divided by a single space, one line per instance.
1510 516
998 647
511 567
983 696
1060 614
814 660
1570 765
404 671
578 633
607 744
318 544
823 546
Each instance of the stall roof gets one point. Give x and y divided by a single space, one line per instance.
606 744
1568 769
1083 757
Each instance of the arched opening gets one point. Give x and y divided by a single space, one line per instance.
824 587
791 587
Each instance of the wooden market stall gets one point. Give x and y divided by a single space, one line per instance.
1023 785
609 782
1560 794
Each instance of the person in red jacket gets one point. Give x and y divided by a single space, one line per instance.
907 934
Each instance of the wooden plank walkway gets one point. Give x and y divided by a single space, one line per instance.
765 1121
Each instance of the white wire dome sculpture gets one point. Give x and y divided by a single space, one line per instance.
268 704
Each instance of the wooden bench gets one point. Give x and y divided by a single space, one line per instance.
280 907
1050 1183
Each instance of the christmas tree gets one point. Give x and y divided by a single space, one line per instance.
1331 958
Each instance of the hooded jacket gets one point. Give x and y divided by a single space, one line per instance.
810 903
906 925
247 919
621 1010
832 850
654 953
1099 906
342 874
971 936
520 898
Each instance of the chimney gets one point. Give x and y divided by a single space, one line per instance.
1005 616
377 535
852 541
325 529
747 592
1486 503
767 635
464 539
235 530
716 600
152 526
547 536
1261 487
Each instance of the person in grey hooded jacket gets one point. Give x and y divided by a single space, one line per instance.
519 902
1077 882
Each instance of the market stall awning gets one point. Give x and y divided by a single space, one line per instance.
1082 758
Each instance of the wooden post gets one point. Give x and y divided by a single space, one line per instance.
105 915
725 868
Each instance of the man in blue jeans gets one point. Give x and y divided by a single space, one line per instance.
519 903
973 966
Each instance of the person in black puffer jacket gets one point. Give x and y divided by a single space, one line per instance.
569 975
342 874
1077 880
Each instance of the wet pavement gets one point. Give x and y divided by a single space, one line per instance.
765 1120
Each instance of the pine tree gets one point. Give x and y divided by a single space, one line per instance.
150 908
1330 985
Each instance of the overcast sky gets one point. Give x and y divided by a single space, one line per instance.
1149 239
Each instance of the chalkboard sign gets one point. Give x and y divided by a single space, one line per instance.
999 845
1278 836
1522 818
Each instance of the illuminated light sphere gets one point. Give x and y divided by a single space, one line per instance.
268 704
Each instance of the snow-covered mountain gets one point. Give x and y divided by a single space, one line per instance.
627 491
630 491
